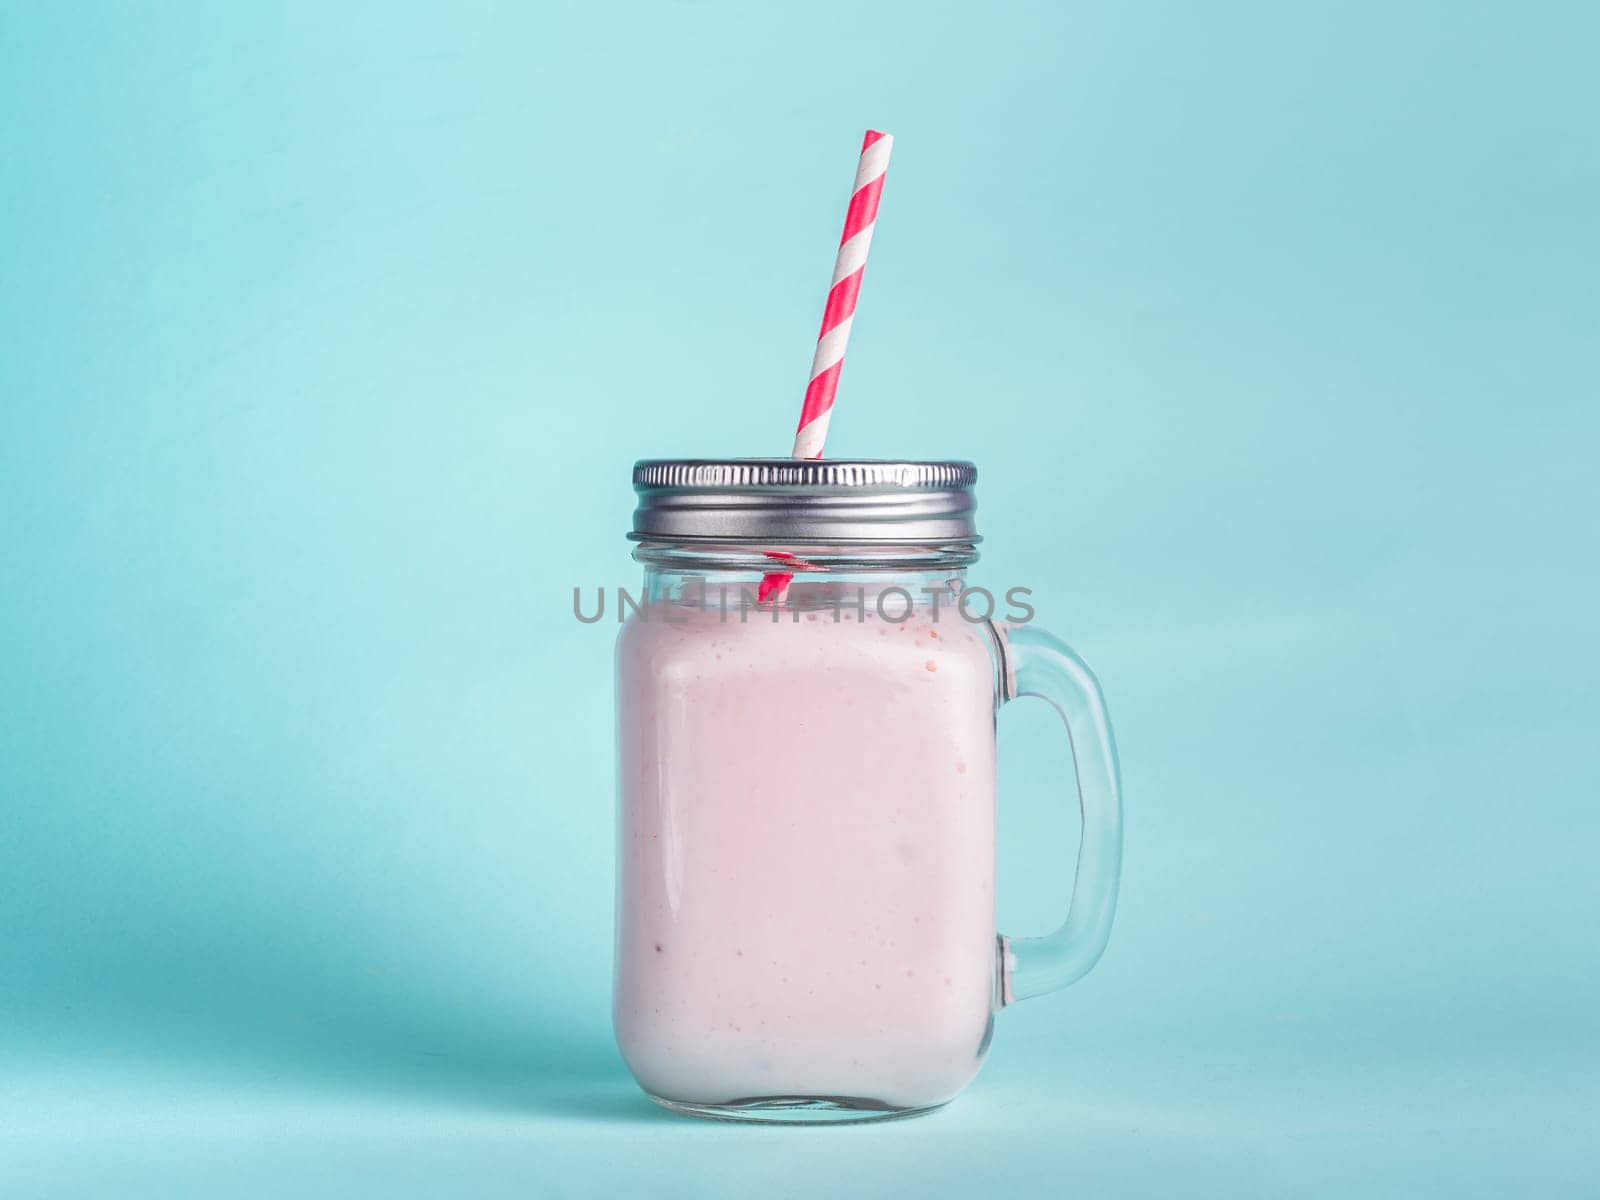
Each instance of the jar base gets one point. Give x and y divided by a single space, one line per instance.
797 1110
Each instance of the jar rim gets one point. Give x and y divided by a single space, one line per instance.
760 558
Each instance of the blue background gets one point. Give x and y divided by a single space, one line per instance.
327 336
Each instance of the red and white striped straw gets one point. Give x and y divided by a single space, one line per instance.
839 314
837 317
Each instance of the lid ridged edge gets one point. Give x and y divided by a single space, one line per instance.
806 473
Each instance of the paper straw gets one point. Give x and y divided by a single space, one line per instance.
838 315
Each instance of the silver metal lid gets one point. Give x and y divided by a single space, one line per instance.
800 501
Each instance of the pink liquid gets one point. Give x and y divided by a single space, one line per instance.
806 890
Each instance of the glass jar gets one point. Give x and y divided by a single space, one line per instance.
806 792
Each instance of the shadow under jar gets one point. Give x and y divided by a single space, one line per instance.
806 792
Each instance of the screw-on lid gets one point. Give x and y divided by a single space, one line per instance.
805 501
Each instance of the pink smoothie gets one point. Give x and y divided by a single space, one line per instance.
807 857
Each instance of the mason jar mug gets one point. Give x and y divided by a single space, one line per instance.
806 700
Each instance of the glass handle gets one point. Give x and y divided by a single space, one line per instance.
1037 663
